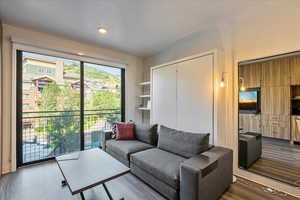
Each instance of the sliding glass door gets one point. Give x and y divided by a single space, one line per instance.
102 101
63 105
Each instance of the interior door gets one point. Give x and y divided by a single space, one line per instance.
164 95
195 95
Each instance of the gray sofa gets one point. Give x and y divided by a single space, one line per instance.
146 138
179 165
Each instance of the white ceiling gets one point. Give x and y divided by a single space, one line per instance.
139 27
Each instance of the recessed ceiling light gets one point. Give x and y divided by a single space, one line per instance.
81 54
102 30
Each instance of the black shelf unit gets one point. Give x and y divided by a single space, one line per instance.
295 99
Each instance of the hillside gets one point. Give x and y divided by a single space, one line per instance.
94 74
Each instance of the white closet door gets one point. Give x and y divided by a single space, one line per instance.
195 95
164 96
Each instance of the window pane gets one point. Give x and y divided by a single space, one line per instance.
102 101
51 105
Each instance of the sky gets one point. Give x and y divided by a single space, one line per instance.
250 96
111 70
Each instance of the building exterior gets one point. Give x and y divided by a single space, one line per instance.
39 72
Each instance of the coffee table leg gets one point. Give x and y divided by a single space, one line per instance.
107 192
82 196
63 183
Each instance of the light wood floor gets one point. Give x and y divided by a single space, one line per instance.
280 150
42 182
247 190
280 160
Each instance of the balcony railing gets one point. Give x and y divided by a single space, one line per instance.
47 134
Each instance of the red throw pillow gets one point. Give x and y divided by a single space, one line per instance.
125 131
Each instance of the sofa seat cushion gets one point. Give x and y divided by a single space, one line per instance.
161 164
124 148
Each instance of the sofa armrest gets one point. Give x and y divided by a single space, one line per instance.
206 176
106 135
200 165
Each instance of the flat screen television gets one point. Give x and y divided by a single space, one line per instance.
249 101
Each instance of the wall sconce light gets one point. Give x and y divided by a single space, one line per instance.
222 83
242 88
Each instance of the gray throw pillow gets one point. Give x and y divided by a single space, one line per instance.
146 133
182 143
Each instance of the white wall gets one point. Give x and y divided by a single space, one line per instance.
134 74
255 34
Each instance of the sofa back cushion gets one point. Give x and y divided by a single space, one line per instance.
146 133
182 143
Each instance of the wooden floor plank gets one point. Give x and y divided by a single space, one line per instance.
281 150
280 161
42 182
248 190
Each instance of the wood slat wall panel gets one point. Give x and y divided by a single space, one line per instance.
275 101
273 77
251 74
295 70
249 123
275 111
276 72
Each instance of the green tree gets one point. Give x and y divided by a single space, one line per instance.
50 97
71 99
108 100
62 127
